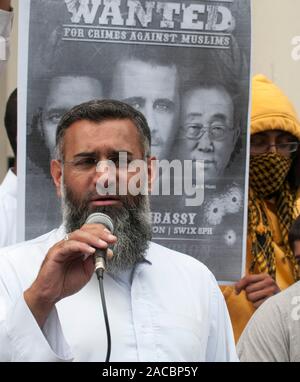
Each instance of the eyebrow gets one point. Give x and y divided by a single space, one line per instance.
134 98
166 100
286 134
94 154
55 110
86 154
280 135
220 116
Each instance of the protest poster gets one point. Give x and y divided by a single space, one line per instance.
186 66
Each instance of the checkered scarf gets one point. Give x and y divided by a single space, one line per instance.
267 177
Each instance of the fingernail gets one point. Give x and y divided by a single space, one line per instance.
85 256
110 235
110 253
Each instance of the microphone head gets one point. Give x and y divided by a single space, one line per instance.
100 218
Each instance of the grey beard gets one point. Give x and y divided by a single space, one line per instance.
132 226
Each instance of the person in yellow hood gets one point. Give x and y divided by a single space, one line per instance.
273 204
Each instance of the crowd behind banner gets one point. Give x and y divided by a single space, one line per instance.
217 104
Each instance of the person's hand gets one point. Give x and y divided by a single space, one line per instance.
257 287
5 5
67 268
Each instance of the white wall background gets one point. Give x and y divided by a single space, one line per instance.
8 82
275 24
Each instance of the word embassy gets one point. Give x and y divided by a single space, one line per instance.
153 14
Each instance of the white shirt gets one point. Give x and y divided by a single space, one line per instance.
5 28
8 210
169 309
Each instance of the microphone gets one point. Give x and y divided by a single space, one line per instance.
100 266
100 254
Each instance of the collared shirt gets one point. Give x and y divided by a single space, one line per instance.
5 28
8 210
169 308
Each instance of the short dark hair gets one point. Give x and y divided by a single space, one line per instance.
99 111
231 88
10 120
294 233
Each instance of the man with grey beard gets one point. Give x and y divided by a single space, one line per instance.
162 305
131 225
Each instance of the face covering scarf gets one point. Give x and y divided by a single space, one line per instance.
268 174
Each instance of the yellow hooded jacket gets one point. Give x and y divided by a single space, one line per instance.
271 110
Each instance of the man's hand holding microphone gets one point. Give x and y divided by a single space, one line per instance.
67 267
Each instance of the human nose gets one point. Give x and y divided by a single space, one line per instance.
205 143
149 114
271 145
105 175
272 148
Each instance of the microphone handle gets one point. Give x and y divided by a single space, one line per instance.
100 259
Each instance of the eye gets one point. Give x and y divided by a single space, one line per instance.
193 130
136 105
218 130
85 162
136 102
285 140
290 147
164 105
54 117
115 159
258 141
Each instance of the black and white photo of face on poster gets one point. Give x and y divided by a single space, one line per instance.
185 66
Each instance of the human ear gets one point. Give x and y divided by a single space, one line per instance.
56 173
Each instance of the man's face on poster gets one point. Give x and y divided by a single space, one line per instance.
64 93
208 128
153 90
